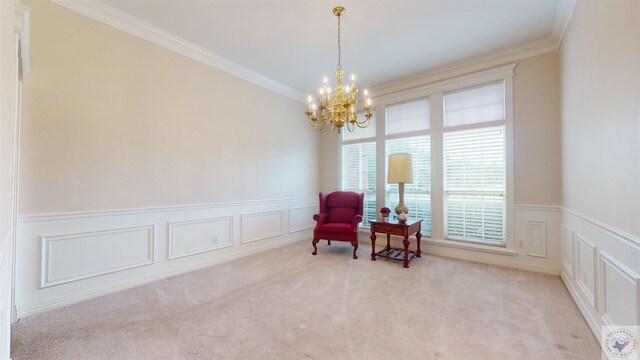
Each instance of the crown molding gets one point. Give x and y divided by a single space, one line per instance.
120 20
487 61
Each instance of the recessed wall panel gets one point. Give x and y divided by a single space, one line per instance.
301 218
71 257
190 237
567 254
621 305
586 268
262 225
537 238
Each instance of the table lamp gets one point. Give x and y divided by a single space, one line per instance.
400 171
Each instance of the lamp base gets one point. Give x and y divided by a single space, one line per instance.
401 208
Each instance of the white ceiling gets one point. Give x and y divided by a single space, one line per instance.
294 42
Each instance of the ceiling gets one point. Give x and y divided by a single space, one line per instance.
294 43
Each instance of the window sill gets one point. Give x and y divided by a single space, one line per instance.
471 246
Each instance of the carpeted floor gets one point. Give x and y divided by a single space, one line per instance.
288 304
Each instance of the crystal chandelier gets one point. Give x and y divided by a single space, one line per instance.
338 105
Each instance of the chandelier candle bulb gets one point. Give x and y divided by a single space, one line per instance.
338 105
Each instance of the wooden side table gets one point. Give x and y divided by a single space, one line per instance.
394 227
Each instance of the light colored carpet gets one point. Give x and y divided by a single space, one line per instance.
288 304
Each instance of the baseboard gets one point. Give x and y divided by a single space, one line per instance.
513 262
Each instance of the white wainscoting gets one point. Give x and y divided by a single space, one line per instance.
537 242
601 269
65 258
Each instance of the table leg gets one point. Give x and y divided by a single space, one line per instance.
418 236
406 251
388 241
373 246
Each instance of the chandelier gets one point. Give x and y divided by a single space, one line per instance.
338 106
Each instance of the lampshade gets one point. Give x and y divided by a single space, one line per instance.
400 168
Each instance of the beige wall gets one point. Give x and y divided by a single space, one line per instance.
536 125
330 160
112 121
600 63
536 132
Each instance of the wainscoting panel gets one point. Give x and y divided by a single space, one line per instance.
586 268
621 293
262 225
601 271
65 258
190 237
301 218
568 253
537 238
72 257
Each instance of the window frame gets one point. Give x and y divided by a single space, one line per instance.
404 135
435 91
369 139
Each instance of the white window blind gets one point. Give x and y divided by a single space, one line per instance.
474 184
411 116
475 105
417 196
359 175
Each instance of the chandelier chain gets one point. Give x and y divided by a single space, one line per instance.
339 48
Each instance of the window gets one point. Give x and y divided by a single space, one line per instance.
404 121
460 135
358 167
474 165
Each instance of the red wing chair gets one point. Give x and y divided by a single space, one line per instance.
340 214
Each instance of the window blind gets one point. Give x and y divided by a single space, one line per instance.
359 175
417 196
474 184
411 116
475 105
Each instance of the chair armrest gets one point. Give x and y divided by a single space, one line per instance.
356 220
321 218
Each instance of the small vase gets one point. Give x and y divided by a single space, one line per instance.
402 217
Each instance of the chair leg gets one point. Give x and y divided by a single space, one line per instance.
355 248
329 242
315 249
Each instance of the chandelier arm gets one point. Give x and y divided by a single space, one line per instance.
350 126
319 126
363 124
